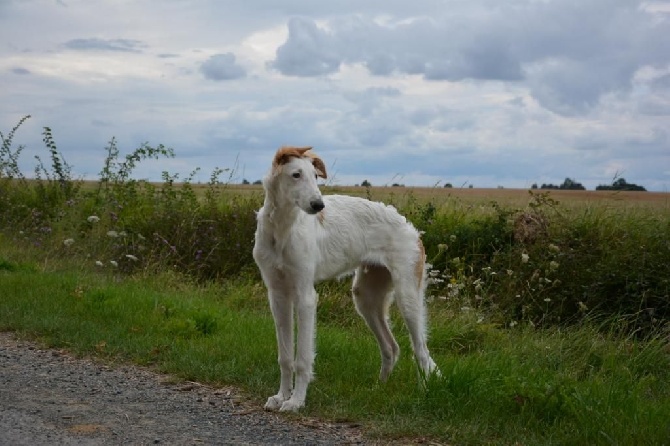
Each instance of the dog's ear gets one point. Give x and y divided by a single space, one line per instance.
285 153
319 165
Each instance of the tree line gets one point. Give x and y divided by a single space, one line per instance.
569 184
619 184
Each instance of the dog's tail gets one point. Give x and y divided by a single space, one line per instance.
420 268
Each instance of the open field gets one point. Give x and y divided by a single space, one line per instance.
516 197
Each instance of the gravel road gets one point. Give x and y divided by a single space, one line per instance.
48 397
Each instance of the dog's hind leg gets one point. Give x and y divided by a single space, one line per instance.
371 290
412 307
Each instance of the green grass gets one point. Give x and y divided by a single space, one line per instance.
499 386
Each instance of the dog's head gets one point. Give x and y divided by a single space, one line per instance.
293 178
284 155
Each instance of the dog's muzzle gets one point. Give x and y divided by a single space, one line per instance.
316 206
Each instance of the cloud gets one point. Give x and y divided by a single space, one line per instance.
222 67
124 45
308 51
20 71
571 52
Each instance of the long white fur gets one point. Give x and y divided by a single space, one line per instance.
303 237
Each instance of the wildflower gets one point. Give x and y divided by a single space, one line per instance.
524 258
465 308
510 272
131 257
513 324
478 285
114 263
554 248
93 219
122 234
141 237
553 265
452 237
112 234
582 306
68 241
98 263
442 247
546 299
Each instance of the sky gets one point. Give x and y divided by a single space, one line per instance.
487 93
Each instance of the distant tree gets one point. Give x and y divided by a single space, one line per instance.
471 186
258 182
397 185
366 183
448 185
568 184
621 184
245 181
533 186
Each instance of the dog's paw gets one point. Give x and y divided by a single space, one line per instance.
291 405
274 402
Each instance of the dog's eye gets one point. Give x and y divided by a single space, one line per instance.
296 175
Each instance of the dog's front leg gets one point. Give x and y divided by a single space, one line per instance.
306 309
282 312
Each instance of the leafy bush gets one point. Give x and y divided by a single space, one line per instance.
547 265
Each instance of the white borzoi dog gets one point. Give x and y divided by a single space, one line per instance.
303 237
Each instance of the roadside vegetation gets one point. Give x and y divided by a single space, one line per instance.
548 319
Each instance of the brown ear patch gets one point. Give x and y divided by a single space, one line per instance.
285 153
319 165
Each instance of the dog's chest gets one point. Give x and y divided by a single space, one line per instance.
290 249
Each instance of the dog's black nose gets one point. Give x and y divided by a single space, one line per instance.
317 205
